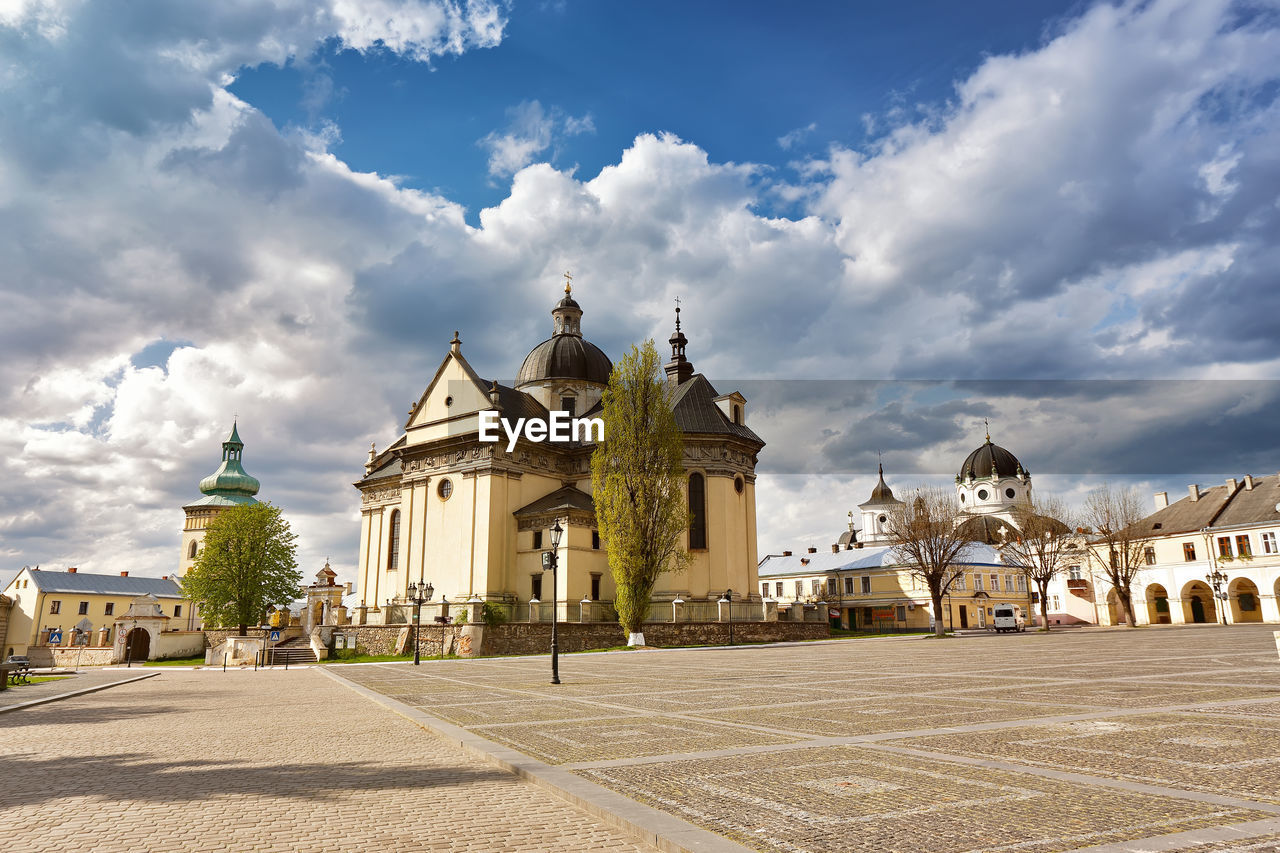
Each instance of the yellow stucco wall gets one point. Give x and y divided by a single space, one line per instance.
31 613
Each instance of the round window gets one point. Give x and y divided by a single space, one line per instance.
982 494
445 489
1009 493
962 498
448 401
883 519
738 485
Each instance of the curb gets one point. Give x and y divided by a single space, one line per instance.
649 825
80 692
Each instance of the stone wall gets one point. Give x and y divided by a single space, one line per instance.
530 638
70 656
214 636
524 638
382 639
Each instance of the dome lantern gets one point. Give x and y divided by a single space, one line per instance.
566 354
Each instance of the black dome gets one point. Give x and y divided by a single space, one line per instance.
565 357
979 462
986 529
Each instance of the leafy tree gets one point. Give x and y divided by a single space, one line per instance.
637 483
1045 543
1118 546
930 540
247 564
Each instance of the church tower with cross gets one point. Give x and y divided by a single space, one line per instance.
475 519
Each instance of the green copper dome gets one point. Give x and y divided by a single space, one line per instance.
230 484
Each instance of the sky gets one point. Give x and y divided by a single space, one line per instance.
886 222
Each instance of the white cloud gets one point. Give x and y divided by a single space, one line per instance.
530 131
794 137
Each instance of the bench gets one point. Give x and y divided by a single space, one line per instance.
14 673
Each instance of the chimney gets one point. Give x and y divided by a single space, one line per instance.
1162 500
1231 486
835 549
1248 482
857 545
804 561
786 553
124 574
164 577
71 570
813 550
1194 491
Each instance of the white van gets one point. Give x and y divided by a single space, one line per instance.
1009 617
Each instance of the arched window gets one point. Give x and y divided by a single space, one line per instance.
697 512
393 546
191 551
569 404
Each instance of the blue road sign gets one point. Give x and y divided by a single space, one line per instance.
55 637
275 636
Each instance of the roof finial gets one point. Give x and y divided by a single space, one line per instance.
568 283
677 313
987 424
850 519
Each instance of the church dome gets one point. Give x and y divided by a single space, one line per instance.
565 357
980 462
987 529
231 480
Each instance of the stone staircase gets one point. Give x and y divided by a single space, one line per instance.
294 651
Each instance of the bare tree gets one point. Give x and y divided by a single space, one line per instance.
931 542
1045 542
1118 542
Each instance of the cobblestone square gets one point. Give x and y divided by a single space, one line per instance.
1154 739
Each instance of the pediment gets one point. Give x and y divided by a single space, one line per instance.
455 391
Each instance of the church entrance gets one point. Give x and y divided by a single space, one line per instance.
964 616
137 644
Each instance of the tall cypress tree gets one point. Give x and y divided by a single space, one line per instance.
637 479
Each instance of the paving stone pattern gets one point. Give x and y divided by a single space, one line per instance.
20 694
1121 740
266 761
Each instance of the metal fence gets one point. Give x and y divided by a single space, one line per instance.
590 611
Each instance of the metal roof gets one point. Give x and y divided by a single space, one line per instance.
696 412
1219 506
874 557
566 497
90 584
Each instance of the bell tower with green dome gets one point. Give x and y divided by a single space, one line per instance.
229 486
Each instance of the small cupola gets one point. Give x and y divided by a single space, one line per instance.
679 370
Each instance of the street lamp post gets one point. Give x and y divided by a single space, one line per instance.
556 533
1216 579
419 593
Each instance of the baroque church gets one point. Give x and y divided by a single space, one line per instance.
473 519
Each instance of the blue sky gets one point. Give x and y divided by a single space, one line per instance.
282 209
735 77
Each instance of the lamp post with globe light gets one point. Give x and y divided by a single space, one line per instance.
554 558
419 593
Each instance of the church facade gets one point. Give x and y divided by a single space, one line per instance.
473 518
